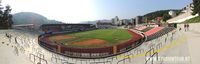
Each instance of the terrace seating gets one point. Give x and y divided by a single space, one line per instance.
147 29
159 33
56 28
152 31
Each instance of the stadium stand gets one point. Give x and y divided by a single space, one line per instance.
159 33
59 28
152 31
146 29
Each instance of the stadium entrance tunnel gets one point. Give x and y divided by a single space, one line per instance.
92 53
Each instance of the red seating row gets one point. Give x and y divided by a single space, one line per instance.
153 31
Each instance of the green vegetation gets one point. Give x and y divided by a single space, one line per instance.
193 20
160 13
111 36
196 8
5 17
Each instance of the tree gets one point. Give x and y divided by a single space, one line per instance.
5 17
196 7
161 13
166 17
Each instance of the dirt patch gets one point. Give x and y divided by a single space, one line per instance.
61 37
90 42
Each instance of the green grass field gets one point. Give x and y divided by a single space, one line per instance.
111 36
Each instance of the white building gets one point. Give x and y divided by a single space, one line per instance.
116 21
185 14
137 20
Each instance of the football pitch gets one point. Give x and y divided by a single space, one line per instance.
94 38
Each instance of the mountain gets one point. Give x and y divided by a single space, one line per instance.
160 13
31 18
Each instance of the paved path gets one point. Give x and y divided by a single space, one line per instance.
194 46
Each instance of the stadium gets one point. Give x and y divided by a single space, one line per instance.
164 36
67 44
88 42
85 41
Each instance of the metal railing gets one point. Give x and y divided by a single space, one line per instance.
151 54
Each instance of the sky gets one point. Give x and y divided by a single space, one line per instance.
75 11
